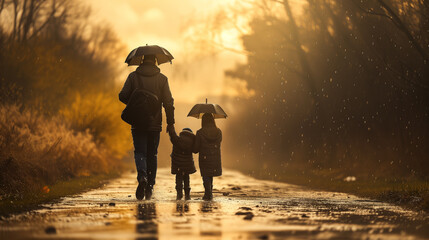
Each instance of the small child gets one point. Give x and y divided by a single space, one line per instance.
182 162
207 143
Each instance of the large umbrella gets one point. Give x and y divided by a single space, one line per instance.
199 109
137 55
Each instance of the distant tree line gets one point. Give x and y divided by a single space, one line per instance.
50 49
55 59
344 84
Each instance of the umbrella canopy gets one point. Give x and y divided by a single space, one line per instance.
137 55
199 109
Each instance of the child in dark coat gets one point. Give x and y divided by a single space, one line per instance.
182 162
207 143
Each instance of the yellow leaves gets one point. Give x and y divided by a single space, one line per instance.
99 114
46 189
84 173
48 144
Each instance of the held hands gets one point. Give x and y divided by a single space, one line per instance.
170 128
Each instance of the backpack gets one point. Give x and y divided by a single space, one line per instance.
142 108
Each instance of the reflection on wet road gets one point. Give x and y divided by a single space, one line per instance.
146 227
244 208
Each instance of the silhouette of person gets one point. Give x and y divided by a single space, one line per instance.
146 140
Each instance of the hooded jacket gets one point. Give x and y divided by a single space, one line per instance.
207 143
149 77
181 157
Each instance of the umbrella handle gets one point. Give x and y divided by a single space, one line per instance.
206 100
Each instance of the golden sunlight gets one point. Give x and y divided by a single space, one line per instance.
166 23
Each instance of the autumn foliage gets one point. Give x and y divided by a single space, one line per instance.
59 113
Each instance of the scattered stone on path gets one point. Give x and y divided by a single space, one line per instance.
249 216
112 204
129 195
243 213
225 193
108 223
263 237
246 208
304 216
51 230
101 204
236 188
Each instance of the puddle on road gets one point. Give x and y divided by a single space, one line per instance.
244 208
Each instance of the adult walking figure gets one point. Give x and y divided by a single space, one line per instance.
146 139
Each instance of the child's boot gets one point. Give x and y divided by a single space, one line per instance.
187 193
211 192
179 193
210 196
207 191
206 194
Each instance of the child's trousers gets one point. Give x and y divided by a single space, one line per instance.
182 181
208 182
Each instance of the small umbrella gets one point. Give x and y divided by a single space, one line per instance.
137 55
199 109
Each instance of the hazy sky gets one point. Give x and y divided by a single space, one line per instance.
163 22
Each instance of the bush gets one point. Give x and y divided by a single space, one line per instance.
36 151
99 114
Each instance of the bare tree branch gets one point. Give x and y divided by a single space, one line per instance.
404 29
371 11
21 19
29 19
15 19
302 56
48 19
2 6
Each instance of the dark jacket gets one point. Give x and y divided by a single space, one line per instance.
151 79
207 143
181 157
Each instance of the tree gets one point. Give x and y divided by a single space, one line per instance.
366 71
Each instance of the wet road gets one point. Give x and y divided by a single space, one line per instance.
243 208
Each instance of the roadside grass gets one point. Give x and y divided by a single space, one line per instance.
53 193
408 192
43 158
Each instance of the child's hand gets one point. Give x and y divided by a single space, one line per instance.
170 128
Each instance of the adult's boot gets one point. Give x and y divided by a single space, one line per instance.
141 188
148 192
